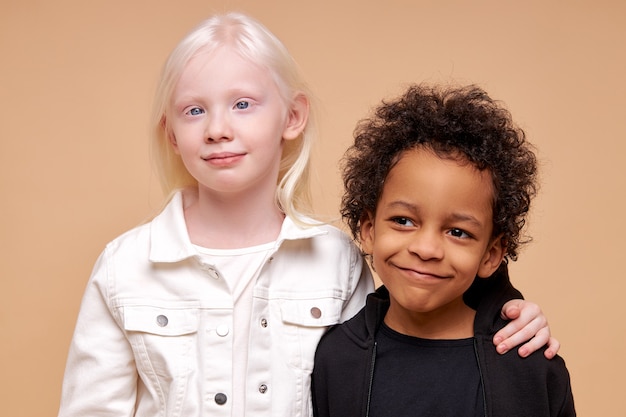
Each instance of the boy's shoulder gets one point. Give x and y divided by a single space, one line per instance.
340 341
511 368
531 385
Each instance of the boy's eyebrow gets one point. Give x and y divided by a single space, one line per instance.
466 218
403 204
456 216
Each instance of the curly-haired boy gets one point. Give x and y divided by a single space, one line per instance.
437 186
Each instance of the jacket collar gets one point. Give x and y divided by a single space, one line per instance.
170 242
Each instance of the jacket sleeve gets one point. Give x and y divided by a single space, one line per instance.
521 387
100 376
361 283
560 387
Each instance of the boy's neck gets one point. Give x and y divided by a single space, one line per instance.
231 223
453 321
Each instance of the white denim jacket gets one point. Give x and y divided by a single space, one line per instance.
154 332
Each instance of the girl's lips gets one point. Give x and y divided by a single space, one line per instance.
223 158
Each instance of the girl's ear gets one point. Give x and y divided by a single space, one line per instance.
367 233
492 258
297 118
170 135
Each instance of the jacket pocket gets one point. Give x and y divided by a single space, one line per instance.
161 321
163 338
316 312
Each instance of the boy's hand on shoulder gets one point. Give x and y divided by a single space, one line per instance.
528 324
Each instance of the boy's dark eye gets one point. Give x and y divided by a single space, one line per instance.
402 221
459 233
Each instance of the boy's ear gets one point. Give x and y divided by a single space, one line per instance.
367 232
297 118
492 259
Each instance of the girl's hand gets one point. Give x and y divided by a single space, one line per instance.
527 324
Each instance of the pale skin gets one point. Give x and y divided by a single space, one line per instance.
513 334
228 122
428 246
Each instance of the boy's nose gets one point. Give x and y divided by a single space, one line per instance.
427 245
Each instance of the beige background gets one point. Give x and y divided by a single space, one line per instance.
76 83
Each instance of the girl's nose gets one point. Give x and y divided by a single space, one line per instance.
218 128
426 244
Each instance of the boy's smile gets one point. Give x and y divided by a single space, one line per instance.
430 236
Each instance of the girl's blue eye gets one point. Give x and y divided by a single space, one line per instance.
241 105
195 111
459 233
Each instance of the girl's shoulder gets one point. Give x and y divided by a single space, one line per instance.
132 240
308 227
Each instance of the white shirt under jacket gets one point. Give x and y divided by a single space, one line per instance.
154 332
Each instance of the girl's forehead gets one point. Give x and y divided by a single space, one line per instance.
224 59
225 70
209 53
227 58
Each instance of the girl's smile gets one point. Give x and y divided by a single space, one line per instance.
224 159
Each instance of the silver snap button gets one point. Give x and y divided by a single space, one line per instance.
263 322
210 270
162 320
316 312
222 330
262 388
220 398
214 274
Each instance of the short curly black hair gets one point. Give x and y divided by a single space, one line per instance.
453 122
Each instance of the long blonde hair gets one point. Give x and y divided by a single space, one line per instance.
254 42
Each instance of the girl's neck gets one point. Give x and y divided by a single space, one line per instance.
231 221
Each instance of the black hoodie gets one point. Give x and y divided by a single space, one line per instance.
513 386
